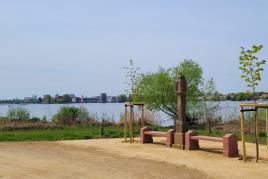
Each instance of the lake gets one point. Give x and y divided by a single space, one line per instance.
229 110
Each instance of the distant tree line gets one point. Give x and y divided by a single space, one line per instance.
239 96
246 96
59 99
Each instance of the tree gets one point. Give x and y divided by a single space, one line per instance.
131 77
67 98
122 98
157 89
251 66
47 99
209 105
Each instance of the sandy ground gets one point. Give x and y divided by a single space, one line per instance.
111 158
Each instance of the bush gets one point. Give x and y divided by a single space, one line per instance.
18 113
69 115
35 119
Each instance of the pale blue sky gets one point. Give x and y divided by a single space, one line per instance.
64 46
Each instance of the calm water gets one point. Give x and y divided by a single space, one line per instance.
229 110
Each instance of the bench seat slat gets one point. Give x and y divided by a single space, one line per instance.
156 133
208 138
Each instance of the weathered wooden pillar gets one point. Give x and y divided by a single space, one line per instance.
181 127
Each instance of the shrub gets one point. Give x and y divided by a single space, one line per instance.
35 119
18 113
69 115
83 114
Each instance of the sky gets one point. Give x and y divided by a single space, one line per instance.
81 46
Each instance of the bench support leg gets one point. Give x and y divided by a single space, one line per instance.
145 138
191 144
230 145
170 137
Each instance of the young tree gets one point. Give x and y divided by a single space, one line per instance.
209 105
157 89
131 77
251 66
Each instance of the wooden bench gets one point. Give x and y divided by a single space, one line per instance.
146 135
230 145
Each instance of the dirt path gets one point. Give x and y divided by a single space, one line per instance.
110 158
57 160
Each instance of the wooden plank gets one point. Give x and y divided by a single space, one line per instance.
134 104
207 138
255 105
242 134
156 133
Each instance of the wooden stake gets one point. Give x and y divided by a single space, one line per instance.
142 117
257 133
267 130
130 123
125 124
242 134
133 123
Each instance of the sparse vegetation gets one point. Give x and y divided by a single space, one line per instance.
18 113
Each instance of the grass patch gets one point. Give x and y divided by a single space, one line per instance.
93 132
65 133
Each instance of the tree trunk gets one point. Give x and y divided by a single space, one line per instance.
209 125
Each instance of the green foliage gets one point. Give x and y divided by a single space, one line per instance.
210 106
122 98
251 66
69 115
18 113
46 99
67 98
157 89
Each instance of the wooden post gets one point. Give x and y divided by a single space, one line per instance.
125 124
257 133
133 123
142 116
267 130
242 134
130 123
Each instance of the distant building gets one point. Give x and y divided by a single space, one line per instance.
27 100
82 99
103 98
35 99
109 99
74 100
91 100
114 99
